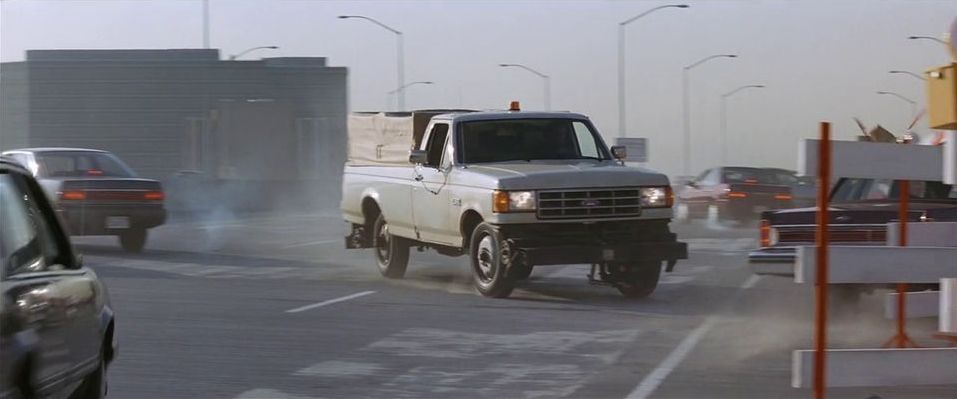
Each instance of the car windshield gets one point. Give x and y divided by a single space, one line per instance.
758 176
529 139
80 164
853 190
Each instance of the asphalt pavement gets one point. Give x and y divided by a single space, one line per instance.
272 306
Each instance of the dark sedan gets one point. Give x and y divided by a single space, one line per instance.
56 323
737 193
859 212
96 193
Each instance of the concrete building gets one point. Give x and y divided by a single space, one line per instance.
276 122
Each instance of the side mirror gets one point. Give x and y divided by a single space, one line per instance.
619 152
418 157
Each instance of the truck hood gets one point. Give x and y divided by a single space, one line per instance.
544 175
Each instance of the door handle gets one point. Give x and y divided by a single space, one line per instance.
418 178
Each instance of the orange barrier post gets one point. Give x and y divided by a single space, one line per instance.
900 339
820 285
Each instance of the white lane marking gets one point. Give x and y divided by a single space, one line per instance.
651 382
330 302
311 243
658 375
751 282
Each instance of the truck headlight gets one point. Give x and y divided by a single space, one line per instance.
513 201
655 197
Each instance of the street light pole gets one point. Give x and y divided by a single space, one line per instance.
402 89
206 24
621 62
928 38
547 80
724 120
908 73
400 55
686 102
244 52
913 104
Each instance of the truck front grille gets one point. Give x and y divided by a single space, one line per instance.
605 203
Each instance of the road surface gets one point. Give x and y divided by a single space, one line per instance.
271 306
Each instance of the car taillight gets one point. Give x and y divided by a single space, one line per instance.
765 233
154 195
783 197
73 195
737 194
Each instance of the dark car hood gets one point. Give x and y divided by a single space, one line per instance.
877 212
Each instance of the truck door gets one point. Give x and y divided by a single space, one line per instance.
430 195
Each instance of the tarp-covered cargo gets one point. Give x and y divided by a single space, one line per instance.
380 138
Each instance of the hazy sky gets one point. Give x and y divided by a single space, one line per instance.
820 60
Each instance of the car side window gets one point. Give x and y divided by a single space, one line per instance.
702 176
713 177
436 144
28 241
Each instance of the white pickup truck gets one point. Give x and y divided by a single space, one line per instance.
509 189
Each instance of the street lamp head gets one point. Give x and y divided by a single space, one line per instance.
272 47
345 16
731 55
682 6
504 65
759 86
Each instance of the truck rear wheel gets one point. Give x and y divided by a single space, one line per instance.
391 252
639 280
489 263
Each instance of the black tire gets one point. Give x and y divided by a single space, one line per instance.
391 252
638 281
521 271
488 268
133 240
94 385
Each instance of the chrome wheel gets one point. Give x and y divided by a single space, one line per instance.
383 241
486 257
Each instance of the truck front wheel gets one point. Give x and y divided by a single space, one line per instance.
391 252
638 280
489 262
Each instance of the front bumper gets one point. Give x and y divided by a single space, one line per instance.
92 219
575 243
777 261
636 252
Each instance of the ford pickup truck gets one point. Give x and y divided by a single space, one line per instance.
509 189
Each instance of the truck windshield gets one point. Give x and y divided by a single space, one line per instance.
854 190
529 139
80 164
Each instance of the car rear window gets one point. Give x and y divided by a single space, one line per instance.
850 190
81 164
757 176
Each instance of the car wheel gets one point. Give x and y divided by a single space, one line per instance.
391 252
489 263
638 281
94 385
133 240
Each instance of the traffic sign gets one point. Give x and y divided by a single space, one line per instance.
637 148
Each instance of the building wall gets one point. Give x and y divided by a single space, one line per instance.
14 105
143 104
